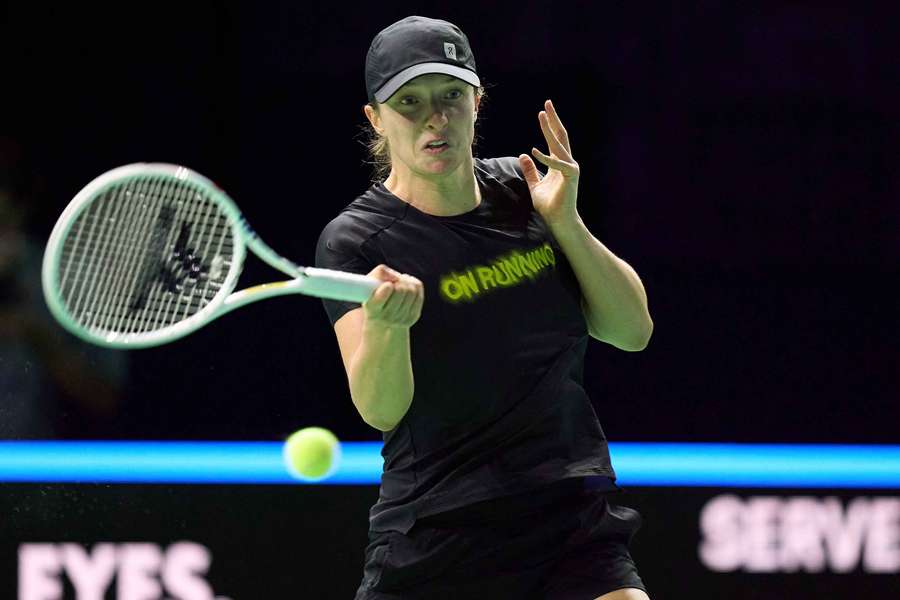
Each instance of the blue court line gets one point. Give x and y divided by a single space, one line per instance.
637 464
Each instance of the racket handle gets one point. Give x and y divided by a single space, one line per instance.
322 283
337 285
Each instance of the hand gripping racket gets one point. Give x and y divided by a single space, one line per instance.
149 252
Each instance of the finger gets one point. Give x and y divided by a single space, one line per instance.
376 302
400 307
420 299
412 308
404 300
414 293
417 295
557 126
418 288
553 142
566 168
529 170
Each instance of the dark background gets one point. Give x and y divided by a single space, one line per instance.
743 159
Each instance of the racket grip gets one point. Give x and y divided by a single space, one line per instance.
337 285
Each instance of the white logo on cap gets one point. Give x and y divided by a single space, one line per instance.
450 50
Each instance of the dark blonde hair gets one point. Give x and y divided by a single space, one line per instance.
380 152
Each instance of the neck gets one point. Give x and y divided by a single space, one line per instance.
442 195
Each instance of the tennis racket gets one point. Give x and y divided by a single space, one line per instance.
149 252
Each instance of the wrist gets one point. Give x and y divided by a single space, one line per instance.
381 328
567 227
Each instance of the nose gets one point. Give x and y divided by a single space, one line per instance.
437 120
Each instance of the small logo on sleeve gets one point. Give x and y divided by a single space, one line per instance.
450 50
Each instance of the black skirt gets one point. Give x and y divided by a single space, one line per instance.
562 542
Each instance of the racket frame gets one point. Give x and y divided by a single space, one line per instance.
306 280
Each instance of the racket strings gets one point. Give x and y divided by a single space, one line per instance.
145 254
179 296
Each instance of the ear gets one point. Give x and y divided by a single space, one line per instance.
477 104
373 117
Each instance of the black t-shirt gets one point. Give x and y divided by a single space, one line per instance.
497 355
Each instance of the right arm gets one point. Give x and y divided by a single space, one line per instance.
374 343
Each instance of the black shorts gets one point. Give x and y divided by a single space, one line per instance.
563 542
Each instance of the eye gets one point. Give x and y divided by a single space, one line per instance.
455 94
412 100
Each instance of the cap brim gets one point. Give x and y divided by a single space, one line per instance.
401 78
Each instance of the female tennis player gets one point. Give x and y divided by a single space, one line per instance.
496 470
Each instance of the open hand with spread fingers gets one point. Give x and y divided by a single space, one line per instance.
554 196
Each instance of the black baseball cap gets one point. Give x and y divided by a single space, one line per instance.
417 46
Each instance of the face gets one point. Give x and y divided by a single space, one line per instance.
427 108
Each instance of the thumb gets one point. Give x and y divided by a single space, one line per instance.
384 273
532 176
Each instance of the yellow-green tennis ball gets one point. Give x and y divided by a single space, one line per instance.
312 453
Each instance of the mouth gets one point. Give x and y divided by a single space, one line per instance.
436 146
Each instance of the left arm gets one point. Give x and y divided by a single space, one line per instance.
613 298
